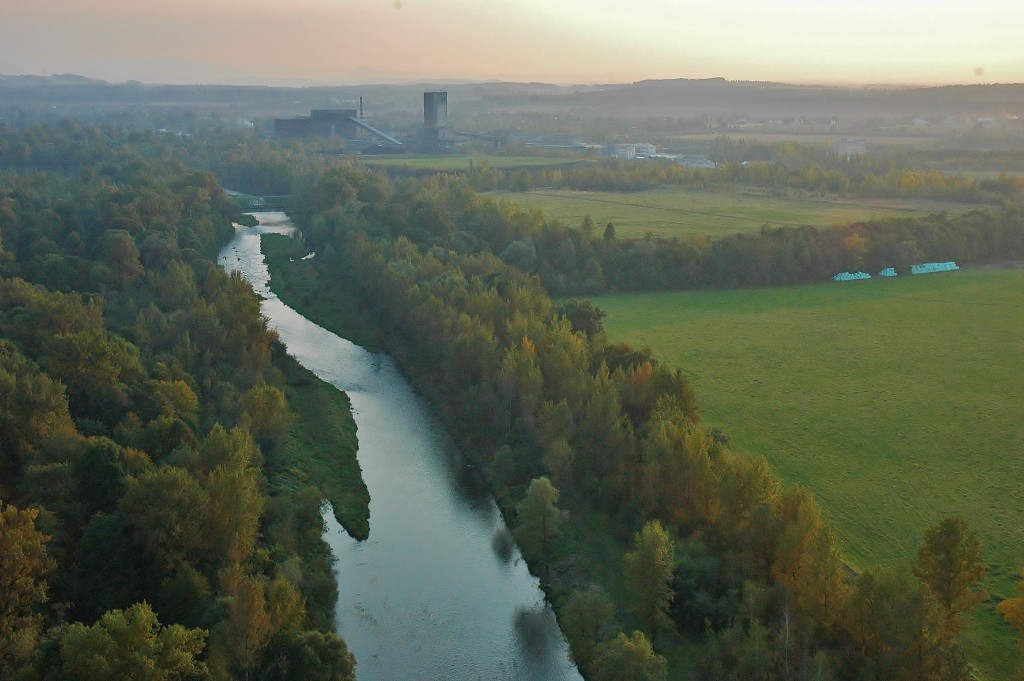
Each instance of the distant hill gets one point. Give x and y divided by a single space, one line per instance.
675 98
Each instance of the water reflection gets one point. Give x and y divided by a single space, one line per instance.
532 626
503 545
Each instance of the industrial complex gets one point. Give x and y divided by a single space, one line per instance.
348 125
436 136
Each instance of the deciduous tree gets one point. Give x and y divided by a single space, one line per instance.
649 569
584 619
629 659
950 564
1013 610
24 565
540 520
132 645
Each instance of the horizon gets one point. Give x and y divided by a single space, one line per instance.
300 84
334 43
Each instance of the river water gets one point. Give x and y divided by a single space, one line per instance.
438 591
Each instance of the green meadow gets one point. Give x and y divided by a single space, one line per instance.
897 402
673 211
463 162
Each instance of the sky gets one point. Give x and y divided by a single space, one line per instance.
306 42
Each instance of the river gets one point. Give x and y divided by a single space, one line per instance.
438 591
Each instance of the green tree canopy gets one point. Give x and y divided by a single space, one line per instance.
629 659
649 568
584 619
131 645
539 519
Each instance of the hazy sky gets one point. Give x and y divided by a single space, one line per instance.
560 41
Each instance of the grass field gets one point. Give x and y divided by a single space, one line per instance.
893 137
671 211
898 402
453 163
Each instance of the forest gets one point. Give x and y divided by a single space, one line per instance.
150 523
145 479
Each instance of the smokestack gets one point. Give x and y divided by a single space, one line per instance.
360 107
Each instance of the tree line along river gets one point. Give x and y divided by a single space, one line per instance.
437 591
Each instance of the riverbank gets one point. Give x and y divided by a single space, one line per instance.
299 286
321 447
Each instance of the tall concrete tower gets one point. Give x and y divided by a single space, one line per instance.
435 119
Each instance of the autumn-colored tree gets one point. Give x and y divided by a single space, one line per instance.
900 629
950 563
807 561
1013 610
649 568
231 481
247 627
24 566
520 385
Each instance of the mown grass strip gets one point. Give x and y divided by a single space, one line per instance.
457 163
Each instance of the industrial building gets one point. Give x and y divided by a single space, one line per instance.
347 124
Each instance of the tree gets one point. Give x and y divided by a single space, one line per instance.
585 317
950 564
122 257
629 659
265 412
539 519
132 645
24 565
899 627
32 407
649 568
166 510
308 655
1013 610
520 384
100 472
806 560
235 503
554 426
247 627
609 232
584 619
106 573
